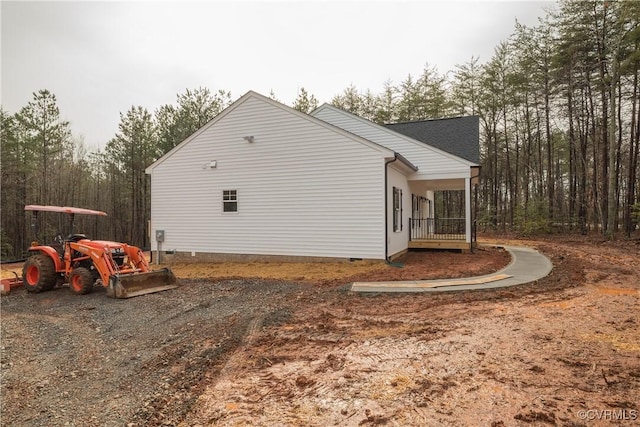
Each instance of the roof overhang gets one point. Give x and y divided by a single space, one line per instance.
408 166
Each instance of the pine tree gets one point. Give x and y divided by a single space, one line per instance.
305 102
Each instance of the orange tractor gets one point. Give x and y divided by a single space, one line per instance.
121 268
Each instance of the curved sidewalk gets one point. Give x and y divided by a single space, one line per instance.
527 265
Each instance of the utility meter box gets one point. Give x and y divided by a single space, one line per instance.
159 236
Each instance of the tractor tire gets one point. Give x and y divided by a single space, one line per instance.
39 273
81 281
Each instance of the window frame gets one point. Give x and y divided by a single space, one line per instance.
397 210
230 199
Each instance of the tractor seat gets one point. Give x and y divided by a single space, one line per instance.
58 247
76 237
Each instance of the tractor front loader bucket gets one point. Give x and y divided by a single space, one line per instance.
133 285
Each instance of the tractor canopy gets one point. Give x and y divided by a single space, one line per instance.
63 209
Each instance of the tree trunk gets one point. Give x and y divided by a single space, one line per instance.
612 187
634 151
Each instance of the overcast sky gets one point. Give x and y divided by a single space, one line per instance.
100 58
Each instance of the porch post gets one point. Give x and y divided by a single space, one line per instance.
467 209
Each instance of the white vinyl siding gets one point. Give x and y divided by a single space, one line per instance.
431 162
398 233
303 188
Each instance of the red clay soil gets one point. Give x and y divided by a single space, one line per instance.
563 351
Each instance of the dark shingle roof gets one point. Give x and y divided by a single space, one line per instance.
458 135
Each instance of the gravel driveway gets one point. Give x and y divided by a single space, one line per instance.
96 361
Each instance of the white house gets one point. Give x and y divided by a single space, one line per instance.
262 180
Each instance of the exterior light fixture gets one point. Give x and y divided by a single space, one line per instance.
210 165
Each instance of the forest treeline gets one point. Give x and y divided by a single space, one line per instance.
559 108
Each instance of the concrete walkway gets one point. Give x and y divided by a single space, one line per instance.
527 265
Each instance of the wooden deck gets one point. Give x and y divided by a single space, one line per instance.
439 244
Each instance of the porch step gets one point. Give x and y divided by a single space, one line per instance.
439 244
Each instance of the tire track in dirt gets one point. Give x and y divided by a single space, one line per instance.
233 363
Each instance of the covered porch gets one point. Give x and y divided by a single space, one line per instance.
443 233
442 214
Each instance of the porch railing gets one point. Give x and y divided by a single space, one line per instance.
437 229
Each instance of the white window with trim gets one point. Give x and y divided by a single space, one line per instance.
397 209
229 200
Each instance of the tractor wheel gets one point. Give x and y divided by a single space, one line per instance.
39 273
81 281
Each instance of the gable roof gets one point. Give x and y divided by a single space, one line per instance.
457 135
251 94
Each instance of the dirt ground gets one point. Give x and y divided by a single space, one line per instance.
300 349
